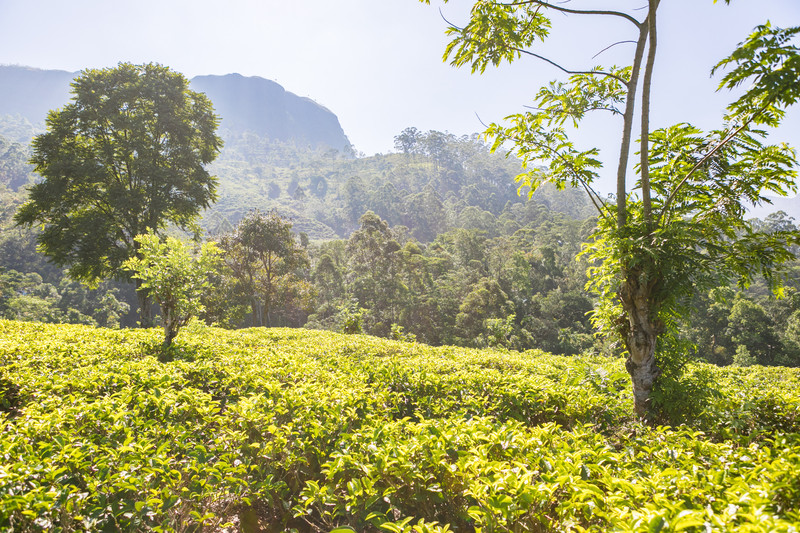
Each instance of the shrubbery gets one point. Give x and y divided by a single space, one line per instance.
310 431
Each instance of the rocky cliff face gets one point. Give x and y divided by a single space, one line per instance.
246 104
260 106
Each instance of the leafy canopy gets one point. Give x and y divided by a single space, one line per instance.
125 157
264 258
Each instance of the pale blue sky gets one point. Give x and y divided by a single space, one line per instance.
377 63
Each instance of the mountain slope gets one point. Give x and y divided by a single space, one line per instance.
260 106
32 92
245 104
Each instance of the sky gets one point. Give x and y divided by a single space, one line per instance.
377 64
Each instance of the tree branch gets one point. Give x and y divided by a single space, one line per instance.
611 46
571 72
573 11
589 190
644 150
705 158
627 128
565 70
612 110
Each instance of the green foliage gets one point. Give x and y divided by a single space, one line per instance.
425 188
398 334
742 357
351 318
28 297
464 288
256 427
125 157
375 262
15 172
702 240
9 394
267 266
681 228
752 333
496 33
541 136
175 276
17 128
770 64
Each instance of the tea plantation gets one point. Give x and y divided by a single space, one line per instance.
281 430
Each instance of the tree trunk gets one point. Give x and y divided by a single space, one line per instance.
145 306
255 308
627 128
169 336
171 323
644 150
640 340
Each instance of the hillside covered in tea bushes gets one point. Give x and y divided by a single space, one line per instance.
296 430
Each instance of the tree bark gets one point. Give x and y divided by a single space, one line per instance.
644 150
256 309
642 332
169 336
636 292
627 127
171 323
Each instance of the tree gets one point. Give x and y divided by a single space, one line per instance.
407 141
681 227
749 326
175 275
125 157
487 301
265 259
374 273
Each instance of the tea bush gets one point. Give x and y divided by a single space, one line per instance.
280 429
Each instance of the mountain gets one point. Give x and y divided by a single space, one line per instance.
260 106
32 92
245 104
26 95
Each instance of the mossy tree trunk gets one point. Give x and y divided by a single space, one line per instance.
641 335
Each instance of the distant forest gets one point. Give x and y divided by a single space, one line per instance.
431 243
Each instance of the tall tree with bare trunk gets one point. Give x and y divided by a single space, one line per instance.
680 227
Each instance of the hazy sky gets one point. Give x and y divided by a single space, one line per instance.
378 64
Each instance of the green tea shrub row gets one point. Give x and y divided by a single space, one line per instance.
508 477
289 429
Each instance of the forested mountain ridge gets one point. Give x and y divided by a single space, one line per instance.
289 153
15 171
443 188
245 104
26 95
443 182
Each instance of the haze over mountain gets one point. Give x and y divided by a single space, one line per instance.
31 92
261 106
246 104
789 205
